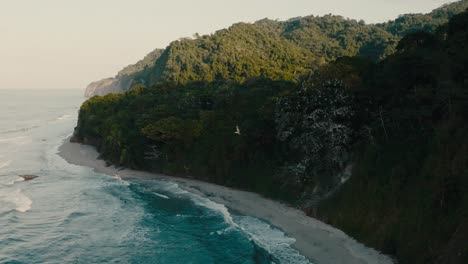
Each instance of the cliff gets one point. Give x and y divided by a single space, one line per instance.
107 86
400 122
277 50
125 78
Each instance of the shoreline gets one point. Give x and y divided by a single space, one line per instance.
318 242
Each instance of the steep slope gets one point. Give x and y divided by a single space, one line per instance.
269 49
409 191
272 49
125 78
237 53
330 37
99 88
378 149
147 62
410 23
107 86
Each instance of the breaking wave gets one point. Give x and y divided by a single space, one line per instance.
23 129
274 241
5 164
276 244
17 199
64 117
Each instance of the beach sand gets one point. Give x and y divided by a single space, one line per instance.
319 242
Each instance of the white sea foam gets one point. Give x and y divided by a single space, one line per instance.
172 188
162 196
16 179
24 129
124 183
10 180
64 117
120 180
5 164
201 201
207 203
273 240
21 140
23 203
18 199
360 251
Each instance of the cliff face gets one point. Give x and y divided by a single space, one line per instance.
401 122
278 50
107 86
95 88
125 78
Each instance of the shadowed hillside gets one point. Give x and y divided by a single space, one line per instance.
377 148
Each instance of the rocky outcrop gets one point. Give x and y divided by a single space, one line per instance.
125 78
94 88
107 86
28 177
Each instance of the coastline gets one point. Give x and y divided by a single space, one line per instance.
317 241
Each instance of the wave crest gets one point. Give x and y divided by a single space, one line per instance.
5 164
21 202
274 241
21 140
64 117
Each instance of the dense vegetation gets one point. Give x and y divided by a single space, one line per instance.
377 148
409 191
190 130
141 66
411 23
278 50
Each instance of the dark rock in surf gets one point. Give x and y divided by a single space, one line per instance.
28 177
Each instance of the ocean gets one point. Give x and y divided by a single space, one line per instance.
70 214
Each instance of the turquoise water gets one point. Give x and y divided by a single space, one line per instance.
71 214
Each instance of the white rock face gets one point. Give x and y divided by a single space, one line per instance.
125 79
107 86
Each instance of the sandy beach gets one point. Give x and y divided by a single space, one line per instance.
319 242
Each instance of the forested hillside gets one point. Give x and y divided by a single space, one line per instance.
126 78
269 49
278 50
377 148
411 23
408 193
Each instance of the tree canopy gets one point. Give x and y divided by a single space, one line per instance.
375 147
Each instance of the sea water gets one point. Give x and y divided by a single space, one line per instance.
70 214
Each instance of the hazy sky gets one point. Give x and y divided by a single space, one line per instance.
69 43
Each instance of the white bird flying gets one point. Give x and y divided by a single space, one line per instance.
237 132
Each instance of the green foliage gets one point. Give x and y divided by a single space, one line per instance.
408 194
172 129
190 130
315 123
411 23
141 66
238 53
330 37
400 122
276 50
